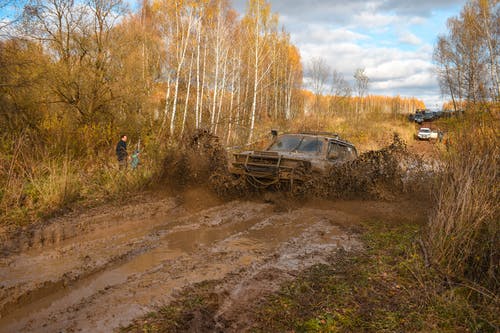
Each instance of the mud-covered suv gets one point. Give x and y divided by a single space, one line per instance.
292 157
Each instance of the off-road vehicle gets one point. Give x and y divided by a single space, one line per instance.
292 157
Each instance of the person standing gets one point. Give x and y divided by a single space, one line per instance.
121 152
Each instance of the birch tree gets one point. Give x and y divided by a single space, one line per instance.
340 90
361 84
467 56
220 48
318 74
184 19
259 20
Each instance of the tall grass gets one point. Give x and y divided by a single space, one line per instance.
463 234
36 182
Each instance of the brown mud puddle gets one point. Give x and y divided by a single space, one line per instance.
101 270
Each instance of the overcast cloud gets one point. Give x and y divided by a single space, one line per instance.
393 40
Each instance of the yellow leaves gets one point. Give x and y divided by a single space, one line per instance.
156 6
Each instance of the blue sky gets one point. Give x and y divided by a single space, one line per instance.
393 40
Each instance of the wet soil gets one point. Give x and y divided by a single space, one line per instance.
99 270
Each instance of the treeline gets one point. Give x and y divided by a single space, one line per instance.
467 56
332 95
352 107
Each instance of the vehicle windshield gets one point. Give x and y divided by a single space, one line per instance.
424 130
297 143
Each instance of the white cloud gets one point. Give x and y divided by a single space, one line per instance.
322 34
415 80
373 20
426 49
416 20
398 68
342 12
391 71
422 8
407 37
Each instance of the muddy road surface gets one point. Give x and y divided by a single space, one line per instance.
99 270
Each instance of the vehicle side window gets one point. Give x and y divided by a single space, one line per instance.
354 153
344 152
334 151
351 154
340 152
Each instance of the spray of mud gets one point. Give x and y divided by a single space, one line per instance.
384 174
200 159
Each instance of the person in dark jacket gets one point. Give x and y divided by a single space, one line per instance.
121 152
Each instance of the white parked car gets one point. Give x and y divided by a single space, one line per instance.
426 134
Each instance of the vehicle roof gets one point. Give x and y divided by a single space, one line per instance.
327 134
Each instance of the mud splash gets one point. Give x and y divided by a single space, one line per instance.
194 160
385 174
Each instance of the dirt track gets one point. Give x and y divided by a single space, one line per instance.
99 270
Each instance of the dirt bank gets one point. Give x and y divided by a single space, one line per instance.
99 270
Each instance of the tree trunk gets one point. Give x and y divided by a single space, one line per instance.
186 105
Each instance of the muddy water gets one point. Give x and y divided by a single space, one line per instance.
124 262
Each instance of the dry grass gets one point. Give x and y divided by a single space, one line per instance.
464 230
36 183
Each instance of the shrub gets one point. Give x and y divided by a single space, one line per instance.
464 229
